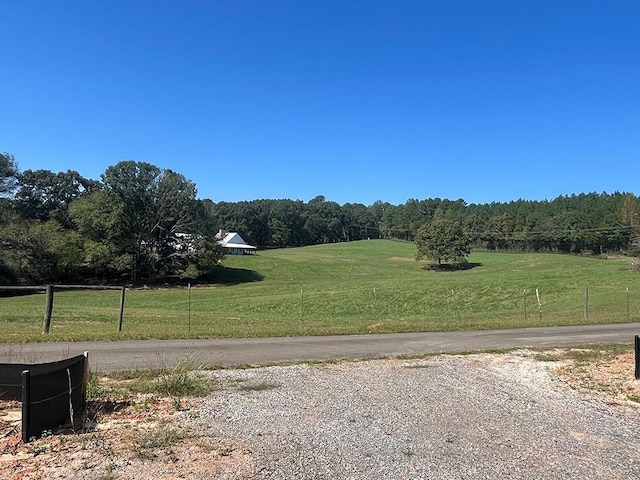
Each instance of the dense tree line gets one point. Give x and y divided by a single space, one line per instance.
591 222
140 222
283 223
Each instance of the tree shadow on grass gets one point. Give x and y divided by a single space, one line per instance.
234 276
20 293
452 267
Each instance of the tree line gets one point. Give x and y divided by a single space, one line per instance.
593 222
141 223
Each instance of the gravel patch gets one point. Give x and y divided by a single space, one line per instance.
448 417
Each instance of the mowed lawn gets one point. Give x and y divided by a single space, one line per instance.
371 286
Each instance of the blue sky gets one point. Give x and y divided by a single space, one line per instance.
358 101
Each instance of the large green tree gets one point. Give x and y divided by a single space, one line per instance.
96 219
45 195
39 252
153 216
630 215
8 174
442 239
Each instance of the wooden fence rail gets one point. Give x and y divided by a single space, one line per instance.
50 289
42 288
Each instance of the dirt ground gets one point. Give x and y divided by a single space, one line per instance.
143 436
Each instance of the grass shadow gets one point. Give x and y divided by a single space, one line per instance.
234 276
452 267
19 293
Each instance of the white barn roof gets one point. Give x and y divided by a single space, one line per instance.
234 240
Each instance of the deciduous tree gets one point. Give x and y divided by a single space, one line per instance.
442 239
154 209
44 195
8 174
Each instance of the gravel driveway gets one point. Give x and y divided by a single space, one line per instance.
449 417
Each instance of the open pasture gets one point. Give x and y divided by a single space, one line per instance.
345 288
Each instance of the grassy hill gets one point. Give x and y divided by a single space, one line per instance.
359 287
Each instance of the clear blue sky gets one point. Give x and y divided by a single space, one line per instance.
355 100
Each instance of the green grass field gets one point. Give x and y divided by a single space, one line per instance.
360 287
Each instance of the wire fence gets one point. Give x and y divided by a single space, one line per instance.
368 308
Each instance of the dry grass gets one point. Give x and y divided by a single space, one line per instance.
603 369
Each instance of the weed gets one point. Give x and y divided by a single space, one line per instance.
259 387
108 473
108 476
185 379
583 355
549 356
94 389
162 437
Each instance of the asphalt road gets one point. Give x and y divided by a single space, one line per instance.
145 354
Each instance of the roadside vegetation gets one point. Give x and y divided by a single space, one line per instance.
371 286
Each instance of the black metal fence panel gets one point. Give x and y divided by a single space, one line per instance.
11 380
52 394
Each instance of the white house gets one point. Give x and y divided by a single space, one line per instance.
233 244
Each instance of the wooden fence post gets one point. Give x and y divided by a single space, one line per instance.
121 317
586 303
628 304
48 309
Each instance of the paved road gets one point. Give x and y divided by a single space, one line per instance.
144 354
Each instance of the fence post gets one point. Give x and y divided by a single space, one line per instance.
26 405
189 287
121 316
627 304
85 381
455 304
524 303
637 352
48 309
586 303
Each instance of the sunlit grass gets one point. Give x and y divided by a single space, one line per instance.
358 287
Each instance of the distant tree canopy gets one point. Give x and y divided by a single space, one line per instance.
569 224
141 223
